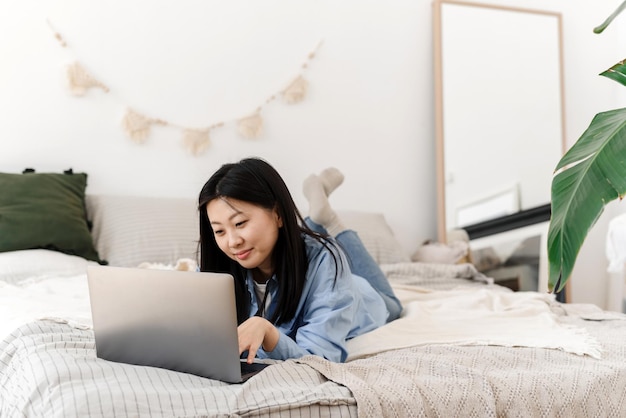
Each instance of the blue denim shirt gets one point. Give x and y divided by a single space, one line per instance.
329 313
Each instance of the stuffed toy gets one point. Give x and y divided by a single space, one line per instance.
182 264
456 251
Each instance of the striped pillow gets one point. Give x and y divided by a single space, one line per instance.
376 235
130 230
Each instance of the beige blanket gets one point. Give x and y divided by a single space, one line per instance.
475 316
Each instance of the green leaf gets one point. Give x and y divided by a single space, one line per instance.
590 175
616 73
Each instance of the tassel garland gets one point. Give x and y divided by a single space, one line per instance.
196 140
250 126
79 80
296 91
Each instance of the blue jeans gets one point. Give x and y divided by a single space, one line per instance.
363 264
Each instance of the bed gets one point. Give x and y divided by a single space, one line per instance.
463 346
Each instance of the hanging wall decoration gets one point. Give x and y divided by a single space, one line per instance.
196 140
250 126
80 80
296 91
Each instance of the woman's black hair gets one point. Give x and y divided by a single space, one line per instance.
255 181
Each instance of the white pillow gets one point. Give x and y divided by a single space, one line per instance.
130 230
376 235
17 266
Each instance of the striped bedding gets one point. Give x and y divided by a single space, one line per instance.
48 367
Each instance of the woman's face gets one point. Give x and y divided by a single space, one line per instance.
245 232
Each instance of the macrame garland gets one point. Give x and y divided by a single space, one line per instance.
196 140
296 91
138 126
250 126
79 80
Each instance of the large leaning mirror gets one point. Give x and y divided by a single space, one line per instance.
499 113
500 122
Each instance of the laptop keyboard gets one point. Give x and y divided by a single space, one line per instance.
248 370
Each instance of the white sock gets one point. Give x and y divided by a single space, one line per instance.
320 210
331 179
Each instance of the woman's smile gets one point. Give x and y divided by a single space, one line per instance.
242 255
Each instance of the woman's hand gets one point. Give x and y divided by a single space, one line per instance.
254 333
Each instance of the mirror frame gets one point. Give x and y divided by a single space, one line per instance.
439 117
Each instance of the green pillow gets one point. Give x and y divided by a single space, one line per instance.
45 210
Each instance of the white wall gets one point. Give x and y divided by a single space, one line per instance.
194 63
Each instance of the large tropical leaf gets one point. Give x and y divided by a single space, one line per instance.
590 175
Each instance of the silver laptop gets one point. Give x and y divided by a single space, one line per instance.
177 320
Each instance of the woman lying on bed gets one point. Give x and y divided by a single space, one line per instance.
298 291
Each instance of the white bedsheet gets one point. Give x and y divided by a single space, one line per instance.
63 299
